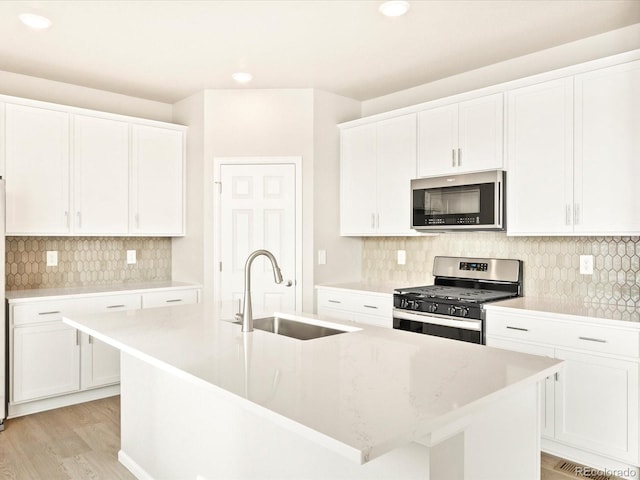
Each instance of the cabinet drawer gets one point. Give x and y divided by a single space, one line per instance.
356 302
39 312
595 338
168 298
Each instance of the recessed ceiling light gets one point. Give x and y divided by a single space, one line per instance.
35 21
242 77
394 8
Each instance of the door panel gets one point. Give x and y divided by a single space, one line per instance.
258 211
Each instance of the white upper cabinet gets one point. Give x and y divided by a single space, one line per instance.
573 150
377 163
157 181
70 171
607 150
37 170
101 180
540 152
462 137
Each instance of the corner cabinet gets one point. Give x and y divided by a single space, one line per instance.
157 185
575 136
461 137
377 163
52 364
591 408
71 171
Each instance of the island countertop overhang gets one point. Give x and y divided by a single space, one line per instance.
360 394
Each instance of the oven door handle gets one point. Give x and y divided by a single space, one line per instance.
475 325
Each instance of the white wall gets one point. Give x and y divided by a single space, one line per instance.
598 46
35 88
343 253
188 251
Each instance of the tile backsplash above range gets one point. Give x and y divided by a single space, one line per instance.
551 264
85 261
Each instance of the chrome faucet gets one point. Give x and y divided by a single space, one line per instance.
247 312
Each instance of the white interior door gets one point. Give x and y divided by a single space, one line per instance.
257 211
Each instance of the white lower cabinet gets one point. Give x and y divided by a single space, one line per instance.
46 361
356 306
50 361
597 404
592 404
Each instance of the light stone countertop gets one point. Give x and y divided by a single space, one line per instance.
361 287
361 394
37 294
614 315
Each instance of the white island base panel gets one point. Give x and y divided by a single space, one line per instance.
174 428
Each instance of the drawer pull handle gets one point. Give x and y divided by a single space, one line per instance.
335 301
174 300
49 313
370 306
115 306
589 339
518 328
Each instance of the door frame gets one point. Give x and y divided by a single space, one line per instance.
218 162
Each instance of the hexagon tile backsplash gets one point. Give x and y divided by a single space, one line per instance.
84 261
551 264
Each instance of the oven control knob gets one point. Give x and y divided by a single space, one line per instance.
452 310
432 308
464 312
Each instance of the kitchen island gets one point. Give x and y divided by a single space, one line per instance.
200 399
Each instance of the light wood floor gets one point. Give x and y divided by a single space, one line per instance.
82 441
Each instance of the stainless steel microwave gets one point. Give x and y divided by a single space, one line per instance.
468 201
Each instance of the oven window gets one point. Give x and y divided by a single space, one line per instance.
444 201
470 336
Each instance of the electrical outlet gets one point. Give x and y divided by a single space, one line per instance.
131 257
52 258
402 257
322 257
586 264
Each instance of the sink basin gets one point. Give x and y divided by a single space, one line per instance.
297 329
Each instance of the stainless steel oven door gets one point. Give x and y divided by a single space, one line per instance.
465 330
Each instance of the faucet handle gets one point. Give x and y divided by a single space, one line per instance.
288 283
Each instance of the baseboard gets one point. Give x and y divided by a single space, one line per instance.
36 406
593 460
135 469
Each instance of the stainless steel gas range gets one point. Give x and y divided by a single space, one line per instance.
453 306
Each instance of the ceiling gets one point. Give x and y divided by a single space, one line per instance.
168 50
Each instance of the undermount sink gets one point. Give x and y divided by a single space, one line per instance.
296 328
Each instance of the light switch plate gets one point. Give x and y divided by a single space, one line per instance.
402 257
52 258
322 257
131 257
586 264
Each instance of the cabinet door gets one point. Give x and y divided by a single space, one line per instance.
481 134
396 166
540 156
607 143
45 361
547 388
597 404
157 181
101 176
37 170
358 180
100 363
437 140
